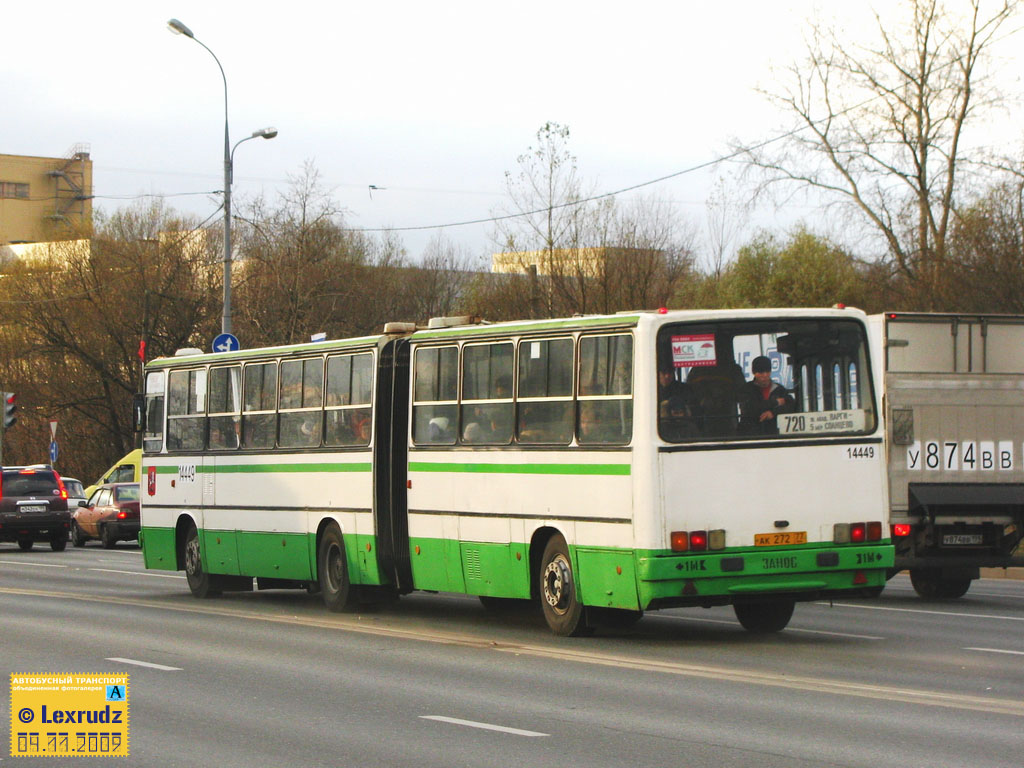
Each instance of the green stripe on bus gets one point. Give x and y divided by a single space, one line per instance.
520 469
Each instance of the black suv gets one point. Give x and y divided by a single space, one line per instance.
33 507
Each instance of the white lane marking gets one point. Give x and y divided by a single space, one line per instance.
787 629
921 610
484 726
149 664
996 650
139 573
37 565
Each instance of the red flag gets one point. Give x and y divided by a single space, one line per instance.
142 350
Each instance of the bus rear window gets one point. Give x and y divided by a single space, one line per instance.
763 379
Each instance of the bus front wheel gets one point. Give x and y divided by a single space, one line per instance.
762 618
559 598
332 572
199 581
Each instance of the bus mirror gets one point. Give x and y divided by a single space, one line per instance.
138 412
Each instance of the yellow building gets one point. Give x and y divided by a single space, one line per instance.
558 261
570 262
45 198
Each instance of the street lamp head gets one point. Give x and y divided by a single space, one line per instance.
266 133
179 29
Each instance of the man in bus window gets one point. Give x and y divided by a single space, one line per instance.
762 399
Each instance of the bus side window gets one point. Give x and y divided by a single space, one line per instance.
605 405
225 402
300 417
487 406
186 407
259 405
435 395
544 399
347 400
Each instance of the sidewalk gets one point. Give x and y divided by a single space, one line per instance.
1003 573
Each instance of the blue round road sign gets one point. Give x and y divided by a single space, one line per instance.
226 342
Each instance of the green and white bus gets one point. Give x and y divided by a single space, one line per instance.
601 465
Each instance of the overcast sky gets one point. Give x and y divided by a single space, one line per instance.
430 101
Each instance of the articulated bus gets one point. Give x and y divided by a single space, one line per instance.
601 466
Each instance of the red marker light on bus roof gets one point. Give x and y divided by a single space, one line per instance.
662 310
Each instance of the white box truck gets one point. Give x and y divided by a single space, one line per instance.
954 410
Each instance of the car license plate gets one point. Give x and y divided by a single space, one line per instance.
780 539
958 539
33 508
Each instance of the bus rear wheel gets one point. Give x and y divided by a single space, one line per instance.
559 598
764 617
332 572
201 583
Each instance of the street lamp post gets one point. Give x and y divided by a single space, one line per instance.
267 133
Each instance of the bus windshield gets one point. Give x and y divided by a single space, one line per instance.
763 379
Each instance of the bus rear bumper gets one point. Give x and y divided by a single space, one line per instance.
808 573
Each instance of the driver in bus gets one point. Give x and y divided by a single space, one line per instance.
762 399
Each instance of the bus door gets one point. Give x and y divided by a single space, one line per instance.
390 454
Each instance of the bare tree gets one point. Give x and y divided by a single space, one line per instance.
546 220
646 252
301 270
439 284
73 316
884 128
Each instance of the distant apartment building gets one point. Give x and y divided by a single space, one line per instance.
45 198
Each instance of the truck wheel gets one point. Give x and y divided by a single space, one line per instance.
930 584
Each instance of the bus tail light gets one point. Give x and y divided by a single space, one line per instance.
697 541
856 533
900 530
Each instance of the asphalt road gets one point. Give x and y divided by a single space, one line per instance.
272 679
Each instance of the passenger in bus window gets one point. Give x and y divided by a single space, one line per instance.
762 399
360 423
669 388
596 424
